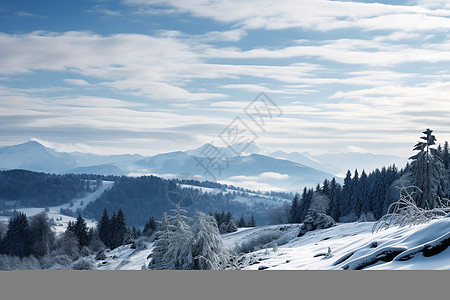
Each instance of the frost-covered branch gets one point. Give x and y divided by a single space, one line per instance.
406 212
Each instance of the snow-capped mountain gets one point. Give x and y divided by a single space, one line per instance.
254 168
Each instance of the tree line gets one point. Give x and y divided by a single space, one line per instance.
368 196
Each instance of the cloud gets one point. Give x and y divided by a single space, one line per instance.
79 82
321 15
66 147
25 14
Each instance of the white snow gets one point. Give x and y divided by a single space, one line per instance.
62 220
125 258
351 244
355 241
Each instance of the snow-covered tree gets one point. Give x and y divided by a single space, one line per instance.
428 172
179 253
231 226
159 256
41 235
208 250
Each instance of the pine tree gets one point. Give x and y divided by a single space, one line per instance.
345 207
241 222
335 193
160 257
363 194
355 205
81 231
307 199
102 227
231 226
252 222
326 188
208 251
446 156
16 241
180 245
118 226
294 212
149 227
428 172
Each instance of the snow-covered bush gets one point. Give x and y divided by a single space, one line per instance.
405 211
139 244
84 263
367 217
8 263
67 244
316 220
85 251
260 242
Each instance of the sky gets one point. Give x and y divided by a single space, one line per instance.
153 76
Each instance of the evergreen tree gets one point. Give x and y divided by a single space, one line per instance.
307 199
81 231
294 214
231 226
41 235
335 193
428 172
208 251
241 222
103 226
355 205
16 240
252 222
118 228
363 194
446 156
326 188
347 191
150 227
179 254
159 257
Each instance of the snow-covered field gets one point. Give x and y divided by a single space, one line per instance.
125 258
353 246
60 219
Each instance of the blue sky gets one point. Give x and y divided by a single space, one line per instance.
150 76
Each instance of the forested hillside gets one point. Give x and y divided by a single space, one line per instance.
41 189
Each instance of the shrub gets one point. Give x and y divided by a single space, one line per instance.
83 263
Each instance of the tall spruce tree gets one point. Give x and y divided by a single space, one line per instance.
81 231
17 240
294 214
160 255
103 226
446 156
208 251
346 197
428 172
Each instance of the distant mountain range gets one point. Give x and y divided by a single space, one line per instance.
255 168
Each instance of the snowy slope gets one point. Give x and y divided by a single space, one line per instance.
353 246
125 258
62 220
